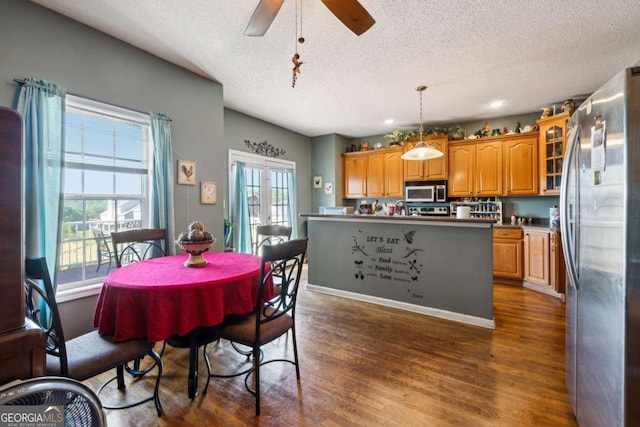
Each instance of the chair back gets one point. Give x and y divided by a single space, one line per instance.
135 245
285 262
39 296
101 241
271 235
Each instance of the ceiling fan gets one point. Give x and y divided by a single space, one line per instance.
350 12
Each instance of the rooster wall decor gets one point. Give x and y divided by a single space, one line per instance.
186 172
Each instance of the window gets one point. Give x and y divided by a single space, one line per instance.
106 181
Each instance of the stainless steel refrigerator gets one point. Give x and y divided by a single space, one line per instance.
600 225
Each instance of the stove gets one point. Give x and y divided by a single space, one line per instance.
429 211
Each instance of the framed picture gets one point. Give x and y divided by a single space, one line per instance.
317 182
186 172
208 192
328 188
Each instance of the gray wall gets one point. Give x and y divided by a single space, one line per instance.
238 127
91 64
326 152
40 43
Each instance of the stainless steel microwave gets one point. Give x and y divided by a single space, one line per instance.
425 193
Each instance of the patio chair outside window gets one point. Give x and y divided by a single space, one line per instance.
104 251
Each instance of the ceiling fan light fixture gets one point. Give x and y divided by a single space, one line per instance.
422 150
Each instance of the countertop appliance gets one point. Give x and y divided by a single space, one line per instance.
600 227
425 192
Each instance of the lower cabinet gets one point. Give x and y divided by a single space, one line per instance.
557 268
536 257
543 262
530 258
507 256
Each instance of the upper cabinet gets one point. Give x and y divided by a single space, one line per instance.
355 175
495 166
521 166
375 173
475 169
427 170
393 172
552 146
489 169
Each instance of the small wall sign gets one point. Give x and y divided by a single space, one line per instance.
208 192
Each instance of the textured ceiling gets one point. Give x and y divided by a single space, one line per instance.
468 52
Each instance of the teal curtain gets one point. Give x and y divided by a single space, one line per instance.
161 203
293 218
42 105
240 211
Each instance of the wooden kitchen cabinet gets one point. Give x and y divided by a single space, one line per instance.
355 175
462 160
505 165
393 174
544 262
488 169
552 145
475 169
536 257
557 268
507 256
428 170
521 166
375 173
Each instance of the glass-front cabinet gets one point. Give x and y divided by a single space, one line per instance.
552 140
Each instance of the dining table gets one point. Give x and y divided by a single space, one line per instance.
159 298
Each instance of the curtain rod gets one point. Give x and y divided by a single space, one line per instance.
23 81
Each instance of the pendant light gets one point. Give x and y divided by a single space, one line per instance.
422 150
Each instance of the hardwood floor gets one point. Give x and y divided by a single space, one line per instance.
365 365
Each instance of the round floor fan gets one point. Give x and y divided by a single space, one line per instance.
79 405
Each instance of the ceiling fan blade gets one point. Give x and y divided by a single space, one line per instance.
351 13
262 17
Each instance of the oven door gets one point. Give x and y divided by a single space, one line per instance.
419 193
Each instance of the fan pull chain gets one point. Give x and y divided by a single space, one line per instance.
296 57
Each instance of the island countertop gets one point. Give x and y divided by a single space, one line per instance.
433 220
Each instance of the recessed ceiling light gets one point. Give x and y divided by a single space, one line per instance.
389 122
496 104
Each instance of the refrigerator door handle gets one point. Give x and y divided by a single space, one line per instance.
566 213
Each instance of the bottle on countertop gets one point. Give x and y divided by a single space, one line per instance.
513 218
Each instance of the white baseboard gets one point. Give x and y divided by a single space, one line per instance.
435 312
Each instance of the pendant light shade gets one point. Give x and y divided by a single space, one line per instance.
422 150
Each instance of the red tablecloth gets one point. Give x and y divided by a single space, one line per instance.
160 297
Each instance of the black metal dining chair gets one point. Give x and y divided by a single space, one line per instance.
272 318
136 245
270 235
87 355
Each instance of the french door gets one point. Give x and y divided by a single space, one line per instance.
269 189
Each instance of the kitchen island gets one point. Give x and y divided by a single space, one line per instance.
440 267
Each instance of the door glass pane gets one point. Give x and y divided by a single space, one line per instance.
279 198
